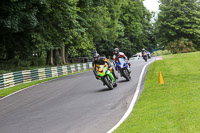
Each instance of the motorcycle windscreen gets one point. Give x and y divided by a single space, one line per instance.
122 62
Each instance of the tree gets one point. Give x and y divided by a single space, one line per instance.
178 19
17 20
56 30
135 30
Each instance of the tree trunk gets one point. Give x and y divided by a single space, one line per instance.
62 53
49 58
56 56
66 55
39 54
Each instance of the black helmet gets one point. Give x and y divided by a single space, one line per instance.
96 56
116 51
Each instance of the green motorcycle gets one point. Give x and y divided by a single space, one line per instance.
106 77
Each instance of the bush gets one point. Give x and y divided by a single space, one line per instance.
182 45
23 63
7 64
161 52
38 62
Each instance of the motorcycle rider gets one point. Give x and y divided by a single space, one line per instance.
118 55
144 54
143 51
101 60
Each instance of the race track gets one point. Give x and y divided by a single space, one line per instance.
74 104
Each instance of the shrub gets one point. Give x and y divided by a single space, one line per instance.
182 45
38 62
7 64
23 63
161 52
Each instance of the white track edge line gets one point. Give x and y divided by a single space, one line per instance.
127 113
38 84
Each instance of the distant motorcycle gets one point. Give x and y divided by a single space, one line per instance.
106 77
123 68
149 55
144 55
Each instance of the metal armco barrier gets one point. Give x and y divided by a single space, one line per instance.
12 79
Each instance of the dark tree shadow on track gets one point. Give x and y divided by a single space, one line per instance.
104 90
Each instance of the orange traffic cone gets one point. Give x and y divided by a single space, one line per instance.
160 78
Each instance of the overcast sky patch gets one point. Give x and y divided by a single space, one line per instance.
151 5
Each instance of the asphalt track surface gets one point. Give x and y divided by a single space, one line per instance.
74 104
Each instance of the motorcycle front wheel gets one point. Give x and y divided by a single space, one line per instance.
145 58
108 81
126 74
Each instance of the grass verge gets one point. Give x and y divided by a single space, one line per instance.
7 91
172 107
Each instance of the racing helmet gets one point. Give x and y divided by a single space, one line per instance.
96 56
116 51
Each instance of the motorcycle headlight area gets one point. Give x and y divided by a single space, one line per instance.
100 69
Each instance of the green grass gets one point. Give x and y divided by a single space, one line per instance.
172 107
7 91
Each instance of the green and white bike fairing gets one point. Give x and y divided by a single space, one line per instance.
106 76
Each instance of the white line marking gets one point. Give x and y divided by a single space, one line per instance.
132 102
38 84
